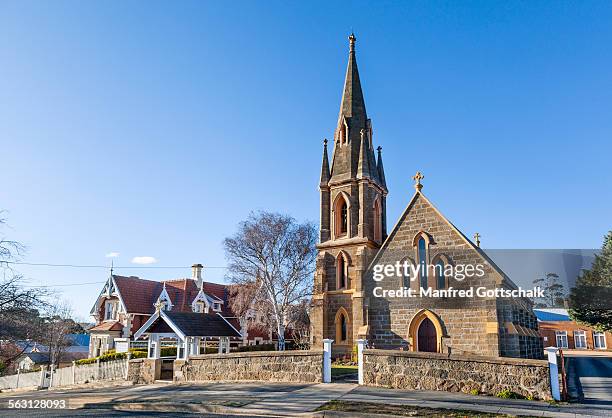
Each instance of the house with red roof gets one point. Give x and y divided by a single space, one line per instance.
126 303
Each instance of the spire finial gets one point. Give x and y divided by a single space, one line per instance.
417 178
352 40
477 239
325 142
379 149
111 269
158 305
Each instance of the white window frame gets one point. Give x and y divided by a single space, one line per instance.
580 335
111 307
599 336
217 307
563 335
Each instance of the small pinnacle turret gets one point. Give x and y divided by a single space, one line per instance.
363 167
325 166
381 169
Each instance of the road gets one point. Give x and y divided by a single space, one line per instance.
268 399
590 379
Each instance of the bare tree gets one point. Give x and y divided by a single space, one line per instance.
57 325
299 324
19 318
274 255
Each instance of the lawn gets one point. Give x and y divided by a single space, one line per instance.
342 370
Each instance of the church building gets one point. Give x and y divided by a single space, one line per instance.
354 239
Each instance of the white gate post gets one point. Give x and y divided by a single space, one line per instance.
128 357
73 372
360 348
52 373
43 374
98 368
327 351
554 372
18 373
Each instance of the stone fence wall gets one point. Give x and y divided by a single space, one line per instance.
143 370
270 366
454 373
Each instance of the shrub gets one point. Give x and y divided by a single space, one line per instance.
138 354
168 351
474 392
260 347
87 360
507 394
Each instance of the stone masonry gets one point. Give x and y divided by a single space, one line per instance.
430 371
353 239
269 366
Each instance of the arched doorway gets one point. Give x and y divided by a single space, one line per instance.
427 338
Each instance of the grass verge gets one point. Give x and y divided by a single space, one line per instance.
403 410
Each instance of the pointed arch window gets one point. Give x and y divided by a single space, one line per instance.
342 326
439 267
341 216
341 272
421 243
407 266
422 255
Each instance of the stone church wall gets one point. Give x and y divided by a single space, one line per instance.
433 371
269 366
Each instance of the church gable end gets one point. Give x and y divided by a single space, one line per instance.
482 326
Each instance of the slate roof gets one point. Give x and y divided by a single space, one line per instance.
41 358
196 324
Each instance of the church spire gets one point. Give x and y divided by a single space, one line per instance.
325 166
353 105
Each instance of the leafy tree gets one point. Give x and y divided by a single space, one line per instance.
591 298
274 256
554 291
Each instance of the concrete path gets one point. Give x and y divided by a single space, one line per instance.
590 379
297 402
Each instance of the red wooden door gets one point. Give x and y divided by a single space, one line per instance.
427 337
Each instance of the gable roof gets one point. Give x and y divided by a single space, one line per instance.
188 324
139 295
468 242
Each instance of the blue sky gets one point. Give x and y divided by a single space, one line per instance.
152 129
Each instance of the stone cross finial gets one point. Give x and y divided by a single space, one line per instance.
477 239
324 142
158 306
417 178
379 149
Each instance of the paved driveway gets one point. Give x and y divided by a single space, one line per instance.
590 379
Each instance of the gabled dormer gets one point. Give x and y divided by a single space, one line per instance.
109 303
164 300
205 303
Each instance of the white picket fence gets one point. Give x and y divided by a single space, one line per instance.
76 374
20 380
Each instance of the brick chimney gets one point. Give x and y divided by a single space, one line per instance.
196 274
